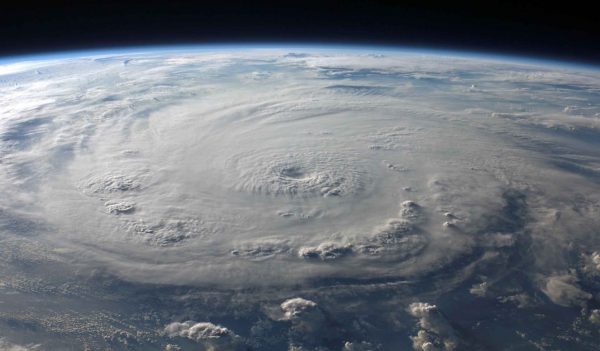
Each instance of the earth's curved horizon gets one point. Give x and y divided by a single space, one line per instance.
298 198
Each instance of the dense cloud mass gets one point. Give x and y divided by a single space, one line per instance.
435 333
298 200
212 337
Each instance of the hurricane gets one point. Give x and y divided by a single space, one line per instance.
298 199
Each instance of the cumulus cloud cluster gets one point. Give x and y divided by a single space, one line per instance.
300 309
435 333
211 336
309 326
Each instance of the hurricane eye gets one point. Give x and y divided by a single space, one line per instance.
293 172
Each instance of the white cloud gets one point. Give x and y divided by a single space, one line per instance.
592 262
325 251
479 289
300 309
358 346
595 316
213 337
435 333
8 346
563 290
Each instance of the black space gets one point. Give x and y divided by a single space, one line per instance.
565 30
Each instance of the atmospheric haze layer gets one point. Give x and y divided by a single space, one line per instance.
298 199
